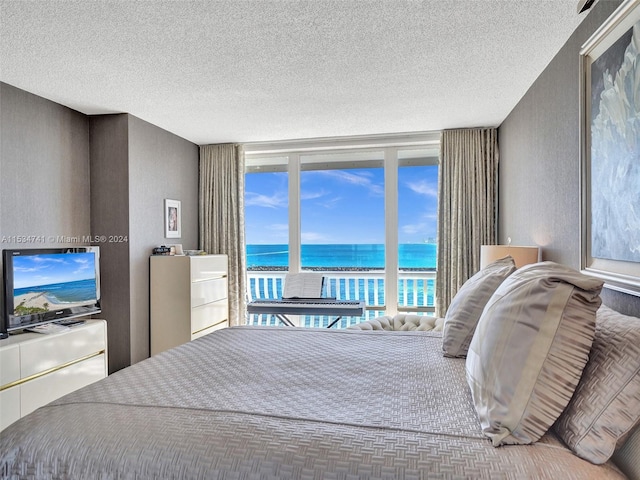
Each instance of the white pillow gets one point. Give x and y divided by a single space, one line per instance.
529 349
606 405
467 306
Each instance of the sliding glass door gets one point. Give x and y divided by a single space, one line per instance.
364 217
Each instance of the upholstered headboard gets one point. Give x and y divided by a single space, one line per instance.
402 321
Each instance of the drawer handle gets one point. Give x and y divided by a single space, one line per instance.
51 370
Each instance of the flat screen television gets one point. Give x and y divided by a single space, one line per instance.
49 284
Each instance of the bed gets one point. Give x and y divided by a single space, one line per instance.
276 403
264 402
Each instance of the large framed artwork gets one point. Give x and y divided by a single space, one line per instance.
610 150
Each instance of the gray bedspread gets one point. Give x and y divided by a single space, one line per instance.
277 403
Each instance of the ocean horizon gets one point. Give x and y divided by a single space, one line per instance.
356 256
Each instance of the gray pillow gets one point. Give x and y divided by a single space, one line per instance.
466 307
529 349
606 405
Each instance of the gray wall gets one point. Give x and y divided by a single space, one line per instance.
63 173
44 184
109 159
161 165
44 171
134 167
539 198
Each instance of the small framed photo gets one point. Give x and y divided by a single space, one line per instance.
172 219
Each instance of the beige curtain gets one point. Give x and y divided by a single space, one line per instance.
467 208
221 194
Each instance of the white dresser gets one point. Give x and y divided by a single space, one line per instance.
37 368
188 298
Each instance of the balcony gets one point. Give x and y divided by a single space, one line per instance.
416 293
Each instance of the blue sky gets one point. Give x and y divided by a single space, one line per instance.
45 269
341 206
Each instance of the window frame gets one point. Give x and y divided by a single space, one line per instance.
270 157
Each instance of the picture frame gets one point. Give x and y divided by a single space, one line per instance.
610 152
172 218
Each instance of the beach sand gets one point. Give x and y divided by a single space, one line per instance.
38 300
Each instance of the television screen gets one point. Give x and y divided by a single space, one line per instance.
46 285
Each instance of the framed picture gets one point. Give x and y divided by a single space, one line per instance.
610 150
172 219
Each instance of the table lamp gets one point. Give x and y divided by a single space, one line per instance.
521 255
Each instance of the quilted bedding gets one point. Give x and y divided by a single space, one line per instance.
266 402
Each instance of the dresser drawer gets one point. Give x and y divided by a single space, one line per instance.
42 390
9 406
9 364
207 315
56 349
206 267
209 330
49 366
207 291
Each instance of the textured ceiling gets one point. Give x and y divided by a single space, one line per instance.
236 71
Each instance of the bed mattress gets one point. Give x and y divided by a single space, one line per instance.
275 403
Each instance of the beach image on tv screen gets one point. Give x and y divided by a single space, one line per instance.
48 282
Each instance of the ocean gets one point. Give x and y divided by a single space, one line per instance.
411 256
67 292
416 292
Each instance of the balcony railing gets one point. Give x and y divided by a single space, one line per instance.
416 293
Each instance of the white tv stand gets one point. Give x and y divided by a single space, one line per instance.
36 368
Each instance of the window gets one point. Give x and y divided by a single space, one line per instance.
266 218
417 229
342 211
266 205
362 215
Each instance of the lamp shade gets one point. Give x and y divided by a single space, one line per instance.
521 255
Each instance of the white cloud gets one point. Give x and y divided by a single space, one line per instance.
312 237
304 195
24 269
357 179
412 229
277 200
83 264
423 187
330 202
